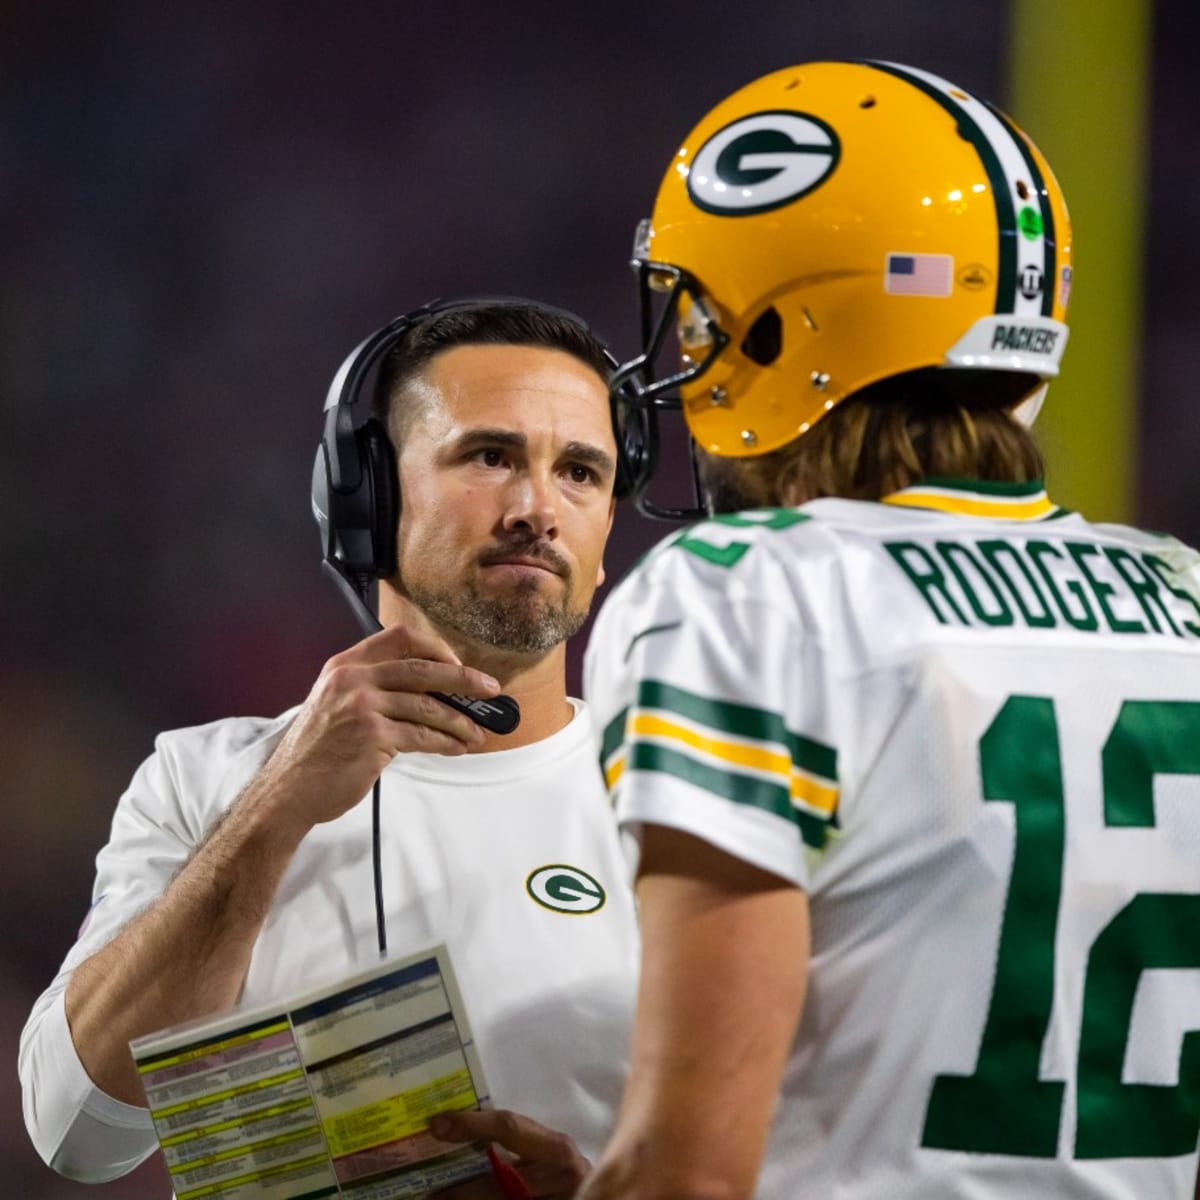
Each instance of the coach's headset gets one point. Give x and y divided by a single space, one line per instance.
355 486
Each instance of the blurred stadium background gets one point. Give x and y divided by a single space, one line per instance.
206 206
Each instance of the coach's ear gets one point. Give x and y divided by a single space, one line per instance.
612 510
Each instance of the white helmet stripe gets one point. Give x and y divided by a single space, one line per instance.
1049 234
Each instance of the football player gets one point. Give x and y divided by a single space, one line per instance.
912 753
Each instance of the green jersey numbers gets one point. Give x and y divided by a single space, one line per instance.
1154 931
728 554
1003 1107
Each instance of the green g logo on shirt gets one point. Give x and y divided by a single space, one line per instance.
565 889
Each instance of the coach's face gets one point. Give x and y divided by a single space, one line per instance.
506 477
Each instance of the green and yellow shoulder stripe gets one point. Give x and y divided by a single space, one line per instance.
734 751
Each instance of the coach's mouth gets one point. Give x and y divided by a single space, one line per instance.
526 559
522 567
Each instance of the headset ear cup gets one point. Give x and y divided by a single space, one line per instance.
379 462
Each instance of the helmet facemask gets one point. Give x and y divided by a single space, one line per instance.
681 339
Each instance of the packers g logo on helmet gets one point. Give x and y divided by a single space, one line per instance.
762 162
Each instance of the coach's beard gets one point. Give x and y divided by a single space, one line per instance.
522 619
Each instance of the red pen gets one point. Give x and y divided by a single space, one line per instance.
508 1178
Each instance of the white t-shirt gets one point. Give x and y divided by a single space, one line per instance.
546 959
967 723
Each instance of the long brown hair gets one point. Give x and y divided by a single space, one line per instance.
933 423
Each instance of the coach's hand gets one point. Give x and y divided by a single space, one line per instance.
369 704
548 1161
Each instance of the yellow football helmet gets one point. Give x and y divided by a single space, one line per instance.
832 225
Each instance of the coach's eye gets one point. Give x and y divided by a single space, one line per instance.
581 474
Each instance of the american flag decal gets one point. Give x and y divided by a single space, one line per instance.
919 274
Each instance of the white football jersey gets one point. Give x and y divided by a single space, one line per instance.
967 723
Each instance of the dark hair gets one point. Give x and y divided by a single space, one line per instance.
486 323
936 422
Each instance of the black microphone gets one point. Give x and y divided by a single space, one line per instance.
499 715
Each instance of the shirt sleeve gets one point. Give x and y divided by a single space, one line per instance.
709 697
79 1130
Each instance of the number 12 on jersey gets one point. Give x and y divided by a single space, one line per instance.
1003 1107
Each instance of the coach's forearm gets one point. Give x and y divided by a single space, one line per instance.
187 954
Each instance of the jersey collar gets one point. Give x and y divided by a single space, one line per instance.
979 498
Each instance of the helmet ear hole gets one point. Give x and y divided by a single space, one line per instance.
763 342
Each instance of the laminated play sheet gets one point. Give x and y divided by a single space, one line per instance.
328 1095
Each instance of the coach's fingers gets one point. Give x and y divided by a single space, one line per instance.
420 675
403 641
518 1134
549 1161
427 726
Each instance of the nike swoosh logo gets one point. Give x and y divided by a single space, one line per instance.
647 632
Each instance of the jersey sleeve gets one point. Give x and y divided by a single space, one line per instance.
707 688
